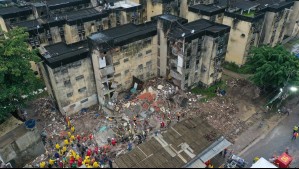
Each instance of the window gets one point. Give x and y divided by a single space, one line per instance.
77 64
187 77
158 62
72 106
187 64
70 94
159 36
127 59
149 51
158 52
189 52
140 66
85 100
63 71
79 77
117 75
67 82
83 89
139 54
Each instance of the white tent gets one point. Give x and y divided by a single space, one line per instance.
263 163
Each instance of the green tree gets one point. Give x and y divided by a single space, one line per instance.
272 68
16 76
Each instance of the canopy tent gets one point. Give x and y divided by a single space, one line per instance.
263 163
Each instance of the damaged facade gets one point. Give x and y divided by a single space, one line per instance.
120 58
191 53
68 75
121 53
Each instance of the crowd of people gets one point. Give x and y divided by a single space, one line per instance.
75 152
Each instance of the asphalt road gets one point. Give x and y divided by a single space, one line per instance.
277 141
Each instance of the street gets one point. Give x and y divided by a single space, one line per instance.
277 141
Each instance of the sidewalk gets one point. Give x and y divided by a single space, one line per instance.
248 138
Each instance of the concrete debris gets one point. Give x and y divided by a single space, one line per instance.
131 119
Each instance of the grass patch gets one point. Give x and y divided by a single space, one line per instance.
248 14
209 92
235 68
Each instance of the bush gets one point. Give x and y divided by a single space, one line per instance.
210 91
235 68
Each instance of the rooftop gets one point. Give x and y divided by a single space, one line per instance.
61 54
124 4
56 4
208 10
200 27
124 34
82 15
30 24
161 151
13 11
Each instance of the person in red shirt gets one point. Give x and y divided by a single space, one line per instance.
88 152
113 141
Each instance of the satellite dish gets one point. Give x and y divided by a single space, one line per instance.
183 35
193 31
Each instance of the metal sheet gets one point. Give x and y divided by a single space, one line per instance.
197 164
215 149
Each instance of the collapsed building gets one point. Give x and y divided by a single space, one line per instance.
121 58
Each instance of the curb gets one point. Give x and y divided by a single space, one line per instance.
254 141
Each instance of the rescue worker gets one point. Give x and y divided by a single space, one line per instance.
95 165
295 129
57 146
73 129
42 164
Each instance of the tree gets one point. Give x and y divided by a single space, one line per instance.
272 67
16 76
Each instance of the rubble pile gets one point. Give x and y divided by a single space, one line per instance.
134 117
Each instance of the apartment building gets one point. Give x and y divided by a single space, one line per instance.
191 53
293 23
68 75
254 23
120 54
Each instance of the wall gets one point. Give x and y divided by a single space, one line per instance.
3 25
123 63
292 27
162 56
237 45
191 16
71 34
208 54
153 9
20 146
72 103
268 27
55 34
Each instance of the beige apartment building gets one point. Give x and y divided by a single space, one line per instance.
68 75
191 53
121 53
293 23
253 23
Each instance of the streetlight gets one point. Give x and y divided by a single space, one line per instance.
293 89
